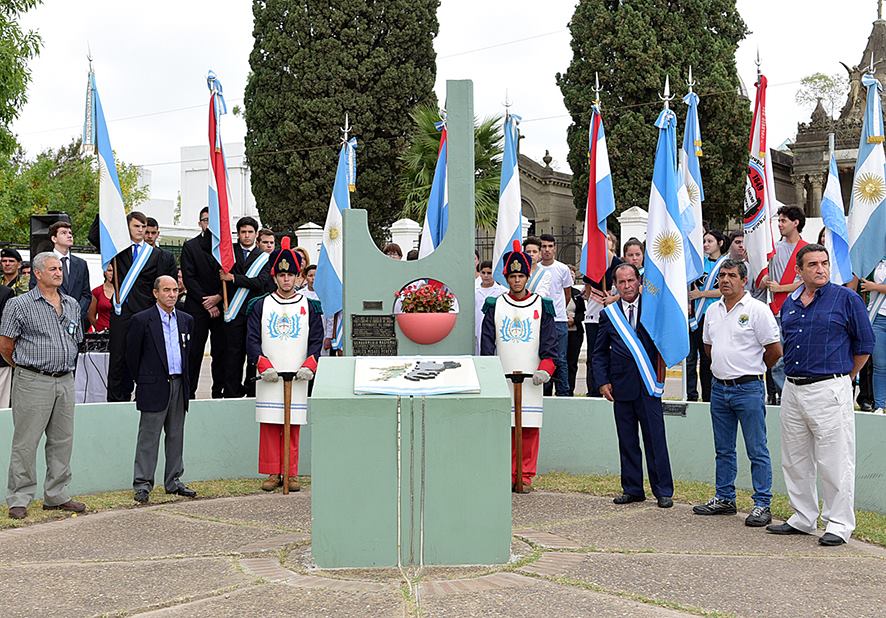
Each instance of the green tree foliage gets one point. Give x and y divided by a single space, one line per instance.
634 44
63 180
314 61
420 159
829 89
16 49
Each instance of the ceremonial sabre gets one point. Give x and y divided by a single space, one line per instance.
517 379
287 377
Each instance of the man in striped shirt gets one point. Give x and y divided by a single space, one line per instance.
39 336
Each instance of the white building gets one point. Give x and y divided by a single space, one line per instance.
194 189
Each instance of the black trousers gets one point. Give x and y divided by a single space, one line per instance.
574 340
591 337
120 383
172 422
643 414
235 357
212 329
698 357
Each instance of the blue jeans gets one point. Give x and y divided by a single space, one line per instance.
731 405
879 361
561 373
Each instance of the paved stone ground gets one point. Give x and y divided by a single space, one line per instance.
572 555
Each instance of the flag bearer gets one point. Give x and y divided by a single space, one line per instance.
519 327
284 336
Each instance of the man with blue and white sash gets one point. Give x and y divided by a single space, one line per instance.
624 366
137 267
249 278
519 328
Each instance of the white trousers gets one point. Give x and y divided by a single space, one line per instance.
5 386
818 435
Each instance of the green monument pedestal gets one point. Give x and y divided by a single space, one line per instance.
430 475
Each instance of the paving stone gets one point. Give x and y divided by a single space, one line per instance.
95 588
546 539
292 512
282 600
830 585
134 534
536 598
678 530
552 564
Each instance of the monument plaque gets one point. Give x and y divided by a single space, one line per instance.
373 335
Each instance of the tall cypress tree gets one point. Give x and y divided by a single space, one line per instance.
633 44
313 61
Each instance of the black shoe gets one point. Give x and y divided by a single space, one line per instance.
181 490
715 506
141 496
759 517
784 528
830 540
628 498
665 502
865 407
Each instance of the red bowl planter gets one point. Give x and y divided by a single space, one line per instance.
426 328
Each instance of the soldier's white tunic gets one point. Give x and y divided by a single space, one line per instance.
517 339
284 341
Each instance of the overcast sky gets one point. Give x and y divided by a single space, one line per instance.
151 61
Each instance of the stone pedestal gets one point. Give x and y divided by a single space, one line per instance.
633 224
405 233
310 236
427 475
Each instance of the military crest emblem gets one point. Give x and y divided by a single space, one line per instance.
284 326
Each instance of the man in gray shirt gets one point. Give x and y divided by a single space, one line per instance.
39 335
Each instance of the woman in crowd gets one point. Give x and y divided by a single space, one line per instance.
633 254
702 295
99 312
300 281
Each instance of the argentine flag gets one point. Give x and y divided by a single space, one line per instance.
664 313
836 237
437 213
328 279
113 229
690 176
867 214
509 225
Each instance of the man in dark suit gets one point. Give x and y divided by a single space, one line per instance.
158 339
139 297
617 376
251 274
76 274
203 302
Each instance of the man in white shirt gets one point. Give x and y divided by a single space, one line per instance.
487 288
561 281
742 338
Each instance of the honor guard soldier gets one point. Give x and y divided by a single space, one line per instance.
519 327
284 338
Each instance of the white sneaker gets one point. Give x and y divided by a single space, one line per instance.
880 411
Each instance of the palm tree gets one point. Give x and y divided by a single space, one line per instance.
420 159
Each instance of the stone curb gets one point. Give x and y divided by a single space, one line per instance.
546 539
497 581
271 570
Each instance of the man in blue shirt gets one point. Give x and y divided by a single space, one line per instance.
827 340
158 342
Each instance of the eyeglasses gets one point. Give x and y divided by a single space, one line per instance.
204 220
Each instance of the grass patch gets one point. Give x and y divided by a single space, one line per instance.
870 526
122 499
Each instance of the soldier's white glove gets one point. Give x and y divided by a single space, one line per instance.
270 375
305 374
540 377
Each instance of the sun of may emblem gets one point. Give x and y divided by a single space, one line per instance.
667 246
694 193
869 188
333 233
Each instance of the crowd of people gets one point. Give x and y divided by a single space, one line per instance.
794 339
